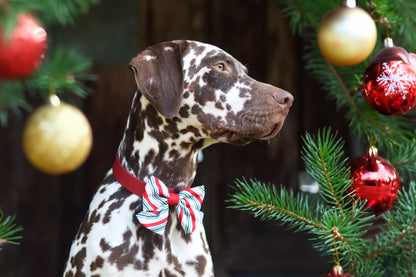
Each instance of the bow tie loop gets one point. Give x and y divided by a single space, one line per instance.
156 201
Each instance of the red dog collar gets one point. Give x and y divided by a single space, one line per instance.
131 183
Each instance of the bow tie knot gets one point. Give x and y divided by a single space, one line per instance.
156 201
173 197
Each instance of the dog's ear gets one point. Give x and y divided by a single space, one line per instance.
159 76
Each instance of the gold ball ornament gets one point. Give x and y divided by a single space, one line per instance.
347 35
57 137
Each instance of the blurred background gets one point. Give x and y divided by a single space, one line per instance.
50 208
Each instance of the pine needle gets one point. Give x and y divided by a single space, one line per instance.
324 161
267 203
8 230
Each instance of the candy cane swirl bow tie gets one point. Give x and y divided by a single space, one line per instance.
156 201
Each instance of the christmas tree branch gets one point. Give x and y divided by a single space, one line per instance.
323 161
328 181
404 159
8 230
267 203
344 88
400 228
343 234
269 208
334 233
63 71
51 11
397 240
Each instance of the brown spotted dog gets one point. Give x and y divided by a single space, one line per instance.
190 95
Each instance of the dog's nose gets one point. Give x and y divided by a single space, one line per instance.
284 98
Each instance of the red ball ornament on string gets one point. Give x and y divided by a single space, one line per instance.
337 271
23 52
376 180
389 83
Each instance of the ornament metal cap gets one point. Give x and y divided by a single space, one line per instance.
337 270
350 3
388 42
54 100
372 151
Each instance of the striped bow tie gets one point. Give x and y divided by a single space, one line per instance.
156 201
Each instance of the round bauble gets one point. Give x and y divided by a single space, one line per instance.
24 51
389 82
376 180
337 271
347 36
57 138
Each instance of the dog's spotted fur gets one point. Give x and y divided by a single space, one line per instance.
190 95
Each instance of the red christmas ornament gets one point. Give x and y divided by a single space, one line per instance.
337 271
389 82
23 52
375 180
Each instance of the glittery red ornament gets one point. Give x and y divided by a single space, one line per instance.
375 180
337 271
389 82
23 52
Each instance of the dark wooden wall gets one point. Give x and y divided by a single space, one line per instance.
255 32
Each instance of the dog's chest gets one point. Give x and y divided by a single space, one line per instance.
111 242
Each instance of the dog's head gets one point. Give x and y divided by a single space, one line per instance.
207 92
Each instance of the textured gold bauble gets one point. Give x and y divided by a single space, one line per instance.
347 36
57 138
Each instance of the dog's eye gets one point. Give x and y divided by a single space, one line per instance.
220 66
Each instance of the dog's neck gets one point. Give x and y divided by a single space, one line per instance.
153 145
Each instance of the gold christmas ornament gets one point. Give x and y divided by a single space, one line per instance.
57 137
347 35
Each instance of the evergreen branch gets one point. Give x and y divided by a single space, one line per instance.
61 72
401 225
405 11
389 131
268 208
392 243
343 234
344 88
266 203
298 11
328 182
323 161
369 268
52 11
8 230
333 232
404 158
12 98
